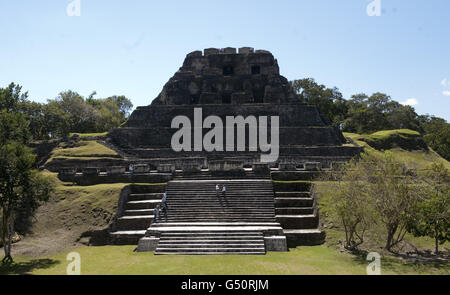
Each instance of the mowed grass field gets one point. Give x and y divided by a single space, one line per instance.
121 260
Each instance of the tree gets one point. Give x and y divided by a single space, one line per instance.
124 105
393 195
70 112
437 135
20 184
351 202
35 115
367 114
11 97
432 214
329 100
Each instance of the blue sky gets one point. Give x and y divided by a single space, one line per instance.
133 47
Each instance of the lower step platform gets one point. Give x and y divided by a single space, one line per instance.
213 238
211 243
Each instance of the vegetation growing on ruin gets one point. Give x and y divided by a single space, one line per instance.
415 158
83 149
84 135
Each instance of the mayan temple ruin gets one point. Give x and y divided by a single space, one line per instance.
261 210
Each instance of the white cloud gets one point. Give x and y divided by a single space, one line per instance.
446 92
444 82
410 102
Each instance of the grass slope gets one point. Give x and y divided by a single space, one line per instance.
84 135
71 210
418 158
121 260
84 149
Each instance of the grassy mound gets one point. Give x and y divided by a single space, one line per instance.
406 145
88 135
86 149
402 138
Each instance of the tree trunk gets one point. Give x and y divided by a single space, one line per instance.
436 245
7 237
390 236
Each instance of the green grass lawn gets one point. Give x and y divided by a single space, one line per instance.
121 260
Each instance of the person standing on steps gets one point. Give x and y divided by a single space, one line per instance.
224 191
217 190
155 214
131 168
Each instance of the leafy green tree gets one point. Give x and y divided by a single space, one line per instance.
368 114
391 187
124 105
11 97
437 135
35 115
329 100
20 184
431 216
351 202
70 112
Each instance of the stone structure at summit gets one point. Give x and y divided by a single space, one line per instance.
226 83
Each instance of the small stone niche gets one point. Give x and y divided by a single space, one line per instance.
256 70
228 71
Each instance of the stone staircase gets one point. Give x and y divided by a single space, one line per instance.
200 222
296 210
210 242
135 213
196 201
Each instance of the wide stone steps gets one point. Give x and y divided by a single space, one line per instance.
219 209
212 227
127 237
217 219
200 221
213 214
292 194
207 203
149 196
204 243
294 202
138 212
298 221
191 201
138 222
294 210
144 204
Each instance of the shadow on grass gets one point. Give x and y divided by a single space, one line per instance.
404 264
26 267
